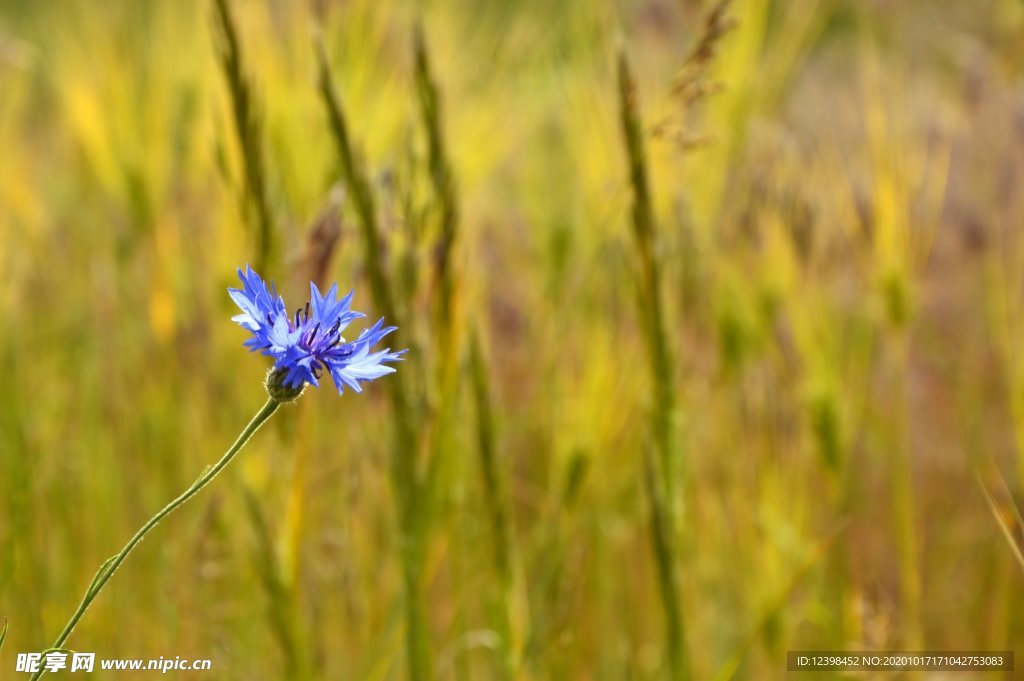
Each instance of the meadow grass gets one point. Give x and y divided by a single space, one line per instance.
713 312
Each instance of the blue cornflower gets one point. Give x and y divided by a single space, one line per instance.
310 342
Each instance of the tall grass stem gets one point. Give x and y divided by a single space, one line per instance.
404 473
496 501
904 507
247 129
661 471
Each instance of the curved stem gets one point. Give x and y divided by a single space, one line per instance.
108 568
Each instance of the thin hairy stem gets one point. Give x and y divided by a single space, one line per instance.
109 567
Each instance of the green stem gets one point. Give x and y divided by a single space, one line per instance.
108 568
495 500
247 129
661 463
405 475
904 506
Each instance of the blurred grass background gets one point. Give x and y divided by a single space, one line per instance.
833 238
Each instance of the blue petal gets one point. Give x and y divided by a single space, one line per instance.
295 349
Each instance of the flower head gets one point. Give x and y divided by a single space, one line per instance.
306 344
